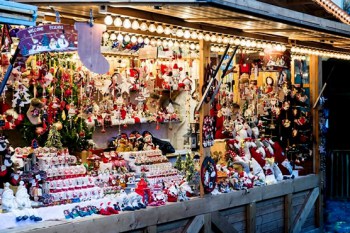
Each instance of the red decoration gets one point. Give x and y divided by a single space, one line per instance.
143 190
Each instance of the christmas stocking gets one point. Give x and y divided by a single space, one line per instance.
89 49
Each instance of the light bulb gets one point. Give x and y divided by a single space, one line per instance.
133 39
192 46
120 37
143 26
165 44
159 42
219 39
135 25
225 40
197 47
127 24
140 40
207 37
127 38
113 37
187 45
179 32
278 47
108 20
213 38
176 44
194 35
200 36
187 34
146 40
152 27
283 48
182 44
167 30
160 29
118 22
222 49
105 35
231 41
248 43
170 43
153 42
237 41
253 44
243 42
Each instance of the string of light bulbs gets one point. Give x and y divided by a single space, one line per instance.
335 10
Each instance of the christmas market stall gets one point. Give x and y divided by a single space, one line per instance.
161 117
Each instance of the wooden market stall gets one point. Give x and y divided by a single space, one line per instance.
292 205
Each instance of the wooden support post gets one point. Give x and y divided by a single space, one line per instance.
222 223
288 212
195 225
204 55
251 217
305 210
207 223
151 229
315 86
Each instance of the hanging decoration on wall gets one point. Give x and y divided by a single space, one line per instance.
47 38
89 50
208 174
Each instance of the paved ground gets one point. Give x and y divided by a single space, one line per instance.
337 216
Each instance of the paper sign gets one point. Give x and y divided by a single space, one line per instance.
148 52
47 38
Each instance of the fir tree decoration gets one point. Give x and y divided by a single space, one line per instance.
21 96
178 163
54 138
189 167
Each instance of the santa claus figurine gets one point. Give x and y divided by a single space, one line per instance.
148 142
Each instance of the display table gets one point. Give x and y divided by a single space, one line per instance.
289 203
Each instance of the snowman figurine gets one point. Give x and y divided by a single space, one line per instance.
22 197
9 203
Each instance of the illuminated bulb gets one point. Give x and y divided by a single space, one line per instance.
120 37
165 44
135 25
253 44
140 40
118 22
222 49
126 38
197 47
182 44
213 38
146 40
143 26
152 27
269 46
264 45
207 37
133 39
170 43
153 42
200 36
231 41
113 37
237 41
248 43
212 49
192 46
187 34
225 40
167 30
259 44
108 20
187 45
194 35
261 54
159 42
127 24
179 33
105 35
283 48
160 29
176 44
219 39
243 42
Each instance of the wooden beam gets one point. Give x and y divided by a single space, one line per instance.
233 19
222 223
288 218
195 225
207 223
305 210
251 218
151 229
274 30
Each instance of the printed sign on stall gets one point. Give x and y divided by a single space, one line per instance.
47 38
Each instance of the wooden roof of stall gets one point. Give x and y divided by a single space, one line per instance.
252 19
